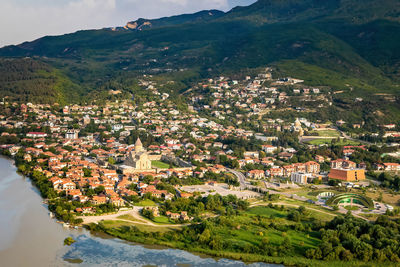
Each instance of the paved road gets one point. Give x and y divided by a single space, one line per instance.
241 178
343 134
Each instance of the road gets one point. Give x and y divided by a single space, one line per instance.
241 178
346 136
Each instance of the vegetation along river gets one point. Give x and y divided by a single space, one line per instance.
29 237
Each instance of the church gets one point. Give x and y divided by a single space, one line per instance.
137 160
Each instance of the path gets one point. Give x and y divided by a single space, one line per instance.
241 178
138 219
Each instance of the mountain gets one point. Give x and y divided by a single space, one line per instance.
352 11
339 43
198 17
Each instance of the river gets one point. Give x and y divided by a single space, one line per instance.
29 237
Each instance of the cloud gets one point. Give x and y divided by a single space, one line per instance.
25 20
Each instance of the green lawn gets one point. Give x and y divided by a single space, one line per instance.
159 164
162 220
146 202
327 133
317 142
342 142
146 228
266 211
351 208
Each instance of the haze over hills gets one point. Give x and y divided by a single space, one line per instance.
350 45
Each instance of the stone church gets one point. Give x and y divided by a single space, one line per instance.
137 160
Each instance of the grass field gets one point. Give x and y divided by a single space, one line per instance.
161 220
342 142
351 208
247 229
128 217
146 202
260 210
387 197
327 133
318 212
159 164
141 227
273 213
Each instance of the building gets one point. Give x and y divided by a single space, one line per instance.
319 159
269 149
391 166
71 134
36 134
348 175
137 160
312 167
256 174
343 164
300 177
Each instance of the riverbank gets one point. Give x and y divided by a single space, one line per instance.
28 230
247 258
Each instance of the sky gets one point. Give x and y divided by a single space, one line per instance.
27 20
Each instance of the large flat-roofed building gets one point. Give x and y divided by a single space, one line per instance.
300 177
349 175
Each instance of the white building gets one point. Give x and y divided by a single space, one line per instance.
71 134
300 177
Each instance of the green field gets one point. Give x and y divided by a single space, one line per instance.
327 133
161 220
128 217
273 213
342 142
351 208
265 211
146 202
146 228
159 164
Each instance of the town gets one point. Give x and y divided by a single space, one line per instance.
94 156
247 147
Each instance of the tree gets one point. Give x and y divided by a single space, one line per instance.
294 216
99 189
69 241
205 236
111 160
286 244
87 172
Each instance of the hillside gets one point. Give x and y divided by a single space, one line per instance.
28 80
338 43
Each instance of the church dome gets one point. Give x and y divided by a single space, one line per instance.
138 145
